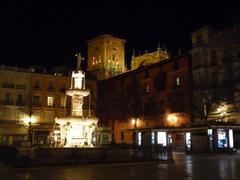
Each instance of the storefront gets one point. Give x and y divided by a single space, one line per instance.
12 135
152 137
212 138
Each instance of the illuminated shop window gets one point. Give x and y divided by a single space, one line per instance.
188 140
210 134
230 138
162 138
153 137
50 100
222 138
139 138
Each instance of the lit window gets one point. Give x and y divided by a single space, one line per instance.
50 100
63 102
222 138
177 81
162 138
230 138
139 138
188 140
153 138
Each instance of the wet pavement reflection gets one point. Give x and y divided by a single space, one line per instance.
189 167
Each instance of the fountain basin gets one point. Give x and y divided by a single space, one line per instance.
76 131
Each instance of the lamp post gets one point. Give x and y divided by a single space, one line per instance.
28 122
134 135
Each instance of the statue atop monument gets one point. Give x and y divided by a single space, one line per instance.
79 60
78 75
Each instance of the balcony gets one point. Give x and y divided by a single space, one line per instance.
51 105
8 85
20 103
36 88
19 86
7 102
36 105
51 89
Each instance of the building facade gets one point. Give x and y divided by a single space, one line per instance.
216 74
25 95
154 96
106 56
14 98
48 101
147 59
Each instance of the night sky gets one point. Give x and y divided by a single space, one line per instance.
49 34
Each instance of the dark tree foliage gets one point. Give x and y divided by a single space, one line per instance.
132 100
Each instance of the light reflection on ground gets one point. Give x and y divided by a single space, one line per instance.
190 167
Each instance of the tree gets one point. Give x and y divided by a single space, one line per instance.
211 105
132 101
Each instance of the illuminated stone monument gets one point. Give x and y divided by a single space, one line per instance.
76 130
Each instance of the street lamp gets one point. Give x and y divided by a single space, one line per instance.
28 122
134 122
173 119
222 110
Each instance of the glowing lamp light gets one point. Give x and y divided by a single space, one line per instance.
28 120
172 118
133 121
222 110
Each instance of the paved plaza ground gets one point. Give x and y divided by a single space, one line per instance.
189 167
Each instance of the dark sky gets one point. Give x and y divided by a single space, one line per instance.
50 33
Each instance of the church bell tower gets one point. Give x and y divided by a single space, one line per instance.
106 56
